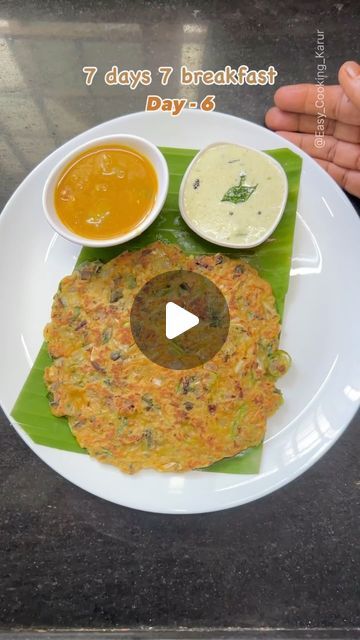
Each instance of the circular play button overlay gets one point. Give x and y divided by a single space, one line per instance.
179 319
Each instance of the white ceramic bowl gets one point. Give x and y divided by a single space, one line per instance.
223 243
147 149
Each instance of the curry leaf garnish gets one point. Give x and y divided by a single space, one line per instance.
239 193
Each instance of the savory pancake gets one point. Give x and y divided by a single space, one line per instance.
134 414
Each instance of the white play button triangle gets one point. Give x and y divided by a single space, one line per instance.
178 320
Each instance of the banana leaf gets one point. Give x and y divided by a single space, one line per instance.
272 259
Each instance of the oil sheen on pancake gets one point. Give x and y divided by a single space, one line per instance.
132 413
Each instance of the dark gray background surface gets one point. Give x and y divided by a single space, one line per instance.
68 559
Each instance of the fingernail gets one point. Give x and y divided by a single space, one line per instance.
352 69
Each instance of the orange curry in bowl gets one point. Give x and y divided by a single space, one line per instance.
105 192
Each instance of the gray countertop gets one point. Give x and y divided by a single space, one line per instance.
68 559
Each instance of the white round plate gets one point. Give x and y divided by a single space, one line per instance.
320 327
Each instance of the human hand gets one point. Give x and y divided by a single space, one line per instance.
295 118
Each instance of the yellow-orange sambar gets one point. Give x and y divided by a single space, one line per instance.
105 192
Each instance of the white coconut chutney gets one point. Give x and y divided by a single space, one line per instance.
234 194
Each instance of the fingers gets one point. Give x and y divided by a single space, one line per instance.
283 120
295 118
344 154
306 99
347 179
349 78
286 121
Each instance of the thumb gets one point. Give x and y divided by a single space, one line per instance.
349 78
